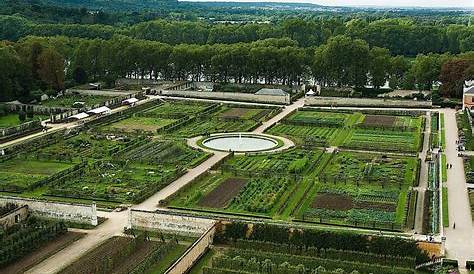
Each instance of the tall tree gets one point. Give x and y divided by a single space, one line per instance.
51 68
453 74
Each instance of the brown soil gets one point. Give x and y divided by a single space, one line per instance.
379 120
376 205
223 194
332 201
235 113
42 253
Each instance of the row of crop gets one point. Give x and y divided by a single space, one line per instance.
392 246
259 195
155 256
326 253
238 259
395 112
26 237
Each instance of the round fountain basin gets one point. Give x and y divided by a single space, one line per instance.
240 142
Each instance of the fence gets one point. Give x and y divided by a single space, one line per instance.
64 211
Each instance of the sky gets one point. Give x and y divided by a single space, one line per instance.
388 3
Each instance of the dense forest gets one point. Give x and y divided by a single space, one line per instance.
53 46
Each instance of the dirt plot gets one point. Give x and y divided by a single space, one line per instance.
223 194
332 201
237 113
42 253
379 120
390 207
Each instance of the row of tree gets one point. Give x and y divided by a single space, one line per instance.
52 63
400 36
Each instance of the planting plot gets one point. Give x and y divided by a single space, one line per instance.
177 108
263 248
471 200
126 255
117 181
167 153
362 189
139 123
266 184
396 141
379 120
27 236
241 113
18 175
67 101
90 144
221 195
325 119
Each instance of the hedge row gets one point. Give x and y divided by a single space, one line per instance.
329 253
392 246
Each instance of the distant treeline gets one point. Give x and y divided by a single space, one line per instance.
37 64
400 36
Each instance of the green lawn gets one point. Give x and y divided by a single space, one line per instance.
11 120
18 175
445 207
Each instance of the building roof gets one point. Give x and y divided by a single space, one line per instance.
79 116
99 110
272 91
469 90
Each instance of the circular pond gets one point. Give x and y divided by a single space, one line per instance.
240 142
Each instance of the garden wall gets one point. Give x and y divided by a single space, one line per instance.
193 253
365 102
230 96
168 221
13 217
64 211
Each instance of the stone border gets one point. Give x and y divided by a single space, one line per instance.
282 143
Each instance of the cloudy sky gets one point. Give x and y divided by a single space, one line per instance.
391 3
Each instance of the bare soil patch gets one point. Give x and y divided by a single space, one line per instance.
223 194
235 113
379 120
390 207
42 253
332 201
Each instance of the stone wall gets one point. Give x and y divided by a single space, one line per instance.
364 102
64 211
229 96
168 222
193 253
14 217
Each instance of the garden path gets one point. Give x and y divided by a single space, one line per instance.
423 180
460 240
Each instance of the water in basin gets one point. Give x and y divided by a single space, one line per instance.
240 143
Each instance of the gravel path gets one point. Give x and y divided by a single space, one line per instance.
460 240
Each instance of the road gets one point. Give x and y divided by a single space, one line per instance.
459 240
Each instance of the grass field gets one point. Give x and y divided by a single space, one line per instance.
11 120
19 175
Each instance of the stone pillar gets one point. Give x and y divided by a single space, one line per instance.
94 221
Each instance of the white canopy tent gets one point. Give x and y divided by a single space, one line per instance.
100 110
79 116
130 101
